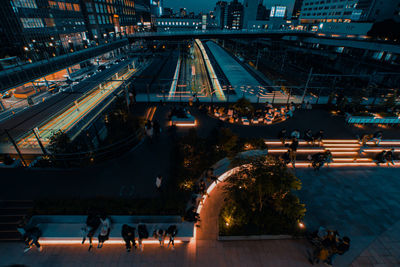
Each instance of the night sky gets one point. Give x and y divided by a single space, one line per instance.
191 5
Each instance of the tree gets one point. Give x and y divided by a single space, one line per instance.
262 192
60 143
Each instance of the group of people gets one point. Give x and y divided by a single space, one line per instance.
386 156
94 222
327 245
293 144
308 136
375 137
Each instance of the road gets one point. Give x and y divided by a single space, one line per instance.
68 119
33 116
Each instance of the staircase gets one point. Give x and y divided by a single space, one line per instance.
346 152
11 212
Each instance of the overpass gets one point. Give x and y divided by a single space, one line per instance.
220 34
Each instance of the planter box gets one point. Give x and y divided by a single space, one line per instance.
371 120
254 237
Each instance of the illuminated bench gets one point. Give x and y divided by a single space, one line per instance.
371 120
190 121
66 229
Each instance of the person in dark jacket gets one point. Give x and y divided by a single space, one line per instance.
143 234
318 137
128 234
282 136
308 136
286 157
31 237
293 150
172 231
92 223
380 157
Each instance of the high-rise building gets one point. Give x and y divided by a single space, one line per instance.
156 7
329 11
234 15
262 12
34 30
375 11
168 12
38 29
250 8
221 12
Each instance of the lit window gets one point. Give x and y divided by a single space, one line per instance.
77 8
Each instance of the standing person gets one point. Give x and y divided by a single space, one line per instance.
160 235
172 231
31 237
128 234
92 223
328 157
105 229
377 137
149 130
365 138
295 134
156 129
318 137
308 136
143 234
158 182
286 157
293 150
210 175
282 136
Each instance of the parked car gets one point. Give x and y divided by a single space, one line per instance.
6 95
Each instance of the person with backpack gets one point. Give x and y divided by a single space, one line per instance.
92 223
128 234
172 231
143 234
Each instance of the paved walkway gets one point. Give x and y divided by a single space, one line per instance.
383 251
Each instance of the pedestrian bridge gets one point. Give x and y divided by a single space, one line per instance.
221 34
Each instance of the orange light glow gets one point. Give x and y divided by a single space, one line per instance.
73 241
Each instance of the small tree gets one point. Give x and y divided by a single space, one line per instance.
243 107
60 143
262 191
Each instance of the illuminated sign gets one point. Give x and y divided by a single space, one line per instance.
278 11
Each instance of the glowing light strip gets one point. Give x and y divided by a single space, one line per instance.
214 80
73 241
172 90
376 150
182 124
